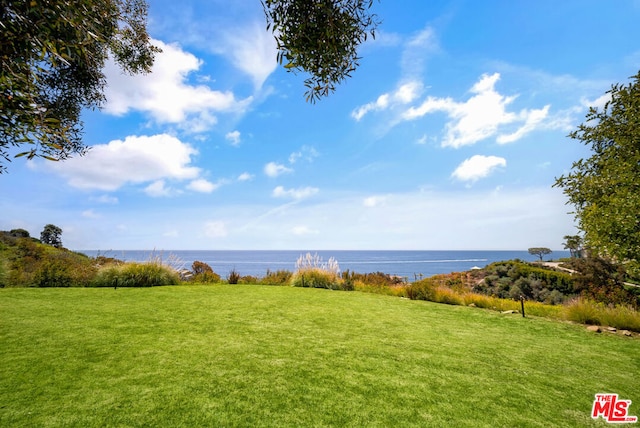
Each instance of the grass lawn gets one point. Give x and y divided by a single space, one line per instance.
238 355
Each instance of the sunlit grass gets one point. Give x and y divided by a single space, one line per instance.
229 355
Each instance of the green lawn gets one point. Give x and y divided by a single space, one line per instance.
238 355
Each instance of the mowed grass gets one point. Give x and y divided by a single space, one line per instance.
230 355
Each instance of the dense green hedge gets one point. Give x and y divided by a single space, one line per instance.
513 279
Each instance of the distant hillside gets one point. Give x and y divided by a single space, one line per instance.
26 262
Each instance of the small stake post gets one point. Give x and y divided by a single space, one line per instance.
522 305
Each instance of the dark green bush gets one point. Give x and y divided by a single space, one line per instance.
512 279
373 279
424 289
603 281
234 277
52 273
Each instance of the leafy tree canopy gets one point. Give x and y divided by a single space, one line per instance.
539 251
52 53
605 188
573 243
19 233
51 235
320 37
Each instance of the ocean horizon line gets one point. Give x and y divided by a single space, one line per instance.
403 263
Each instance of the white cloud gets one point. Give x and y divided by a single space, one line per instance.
273 169
417 50
422 140
597 103
481 116
233 137
486 218
404 94
532 119
157 189
245 176
252 49
166 94
137 159
380 104
477 167
215 229
203 186
300 193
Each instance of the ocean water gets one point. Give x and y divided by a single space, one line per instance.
407 264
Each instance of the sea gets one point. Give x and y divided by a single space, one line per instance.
411 265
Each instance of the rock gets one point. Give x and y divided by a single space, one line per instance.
472 305
612 329
510 312
594 328
626 333
185 274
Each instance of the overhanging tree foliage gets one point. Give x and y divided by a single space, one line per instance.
52 54
605 188
320 37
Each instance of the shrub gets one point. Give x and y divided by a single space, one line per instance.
19 233
314 273
584 312
588 312
52 273
206 278
4 273
234 277
136 275
621 316
199 267
447 296
202 274
513 278
480 300
103 261
308 261
421 290
248 279
601 280
316 278
398 290
279 277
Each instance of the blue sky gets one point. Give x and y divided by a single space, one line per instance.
448 136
